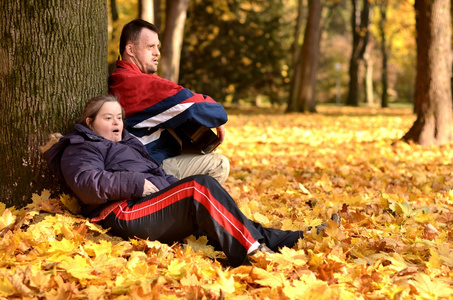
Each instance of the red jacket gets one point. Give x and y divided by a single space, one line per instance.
153 104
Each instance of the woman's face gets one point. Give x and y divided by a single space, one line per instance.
108 123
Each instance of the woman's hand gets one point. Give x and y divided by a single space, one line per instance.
149 188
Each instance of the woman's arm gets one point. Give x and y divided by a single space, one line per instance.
82 166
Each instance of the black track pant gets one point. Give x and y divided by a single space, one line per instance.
190 206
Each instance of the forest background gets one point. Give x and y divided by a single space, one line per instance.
243 51
289 170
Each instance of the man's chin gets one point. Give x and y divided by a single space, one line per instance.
151 71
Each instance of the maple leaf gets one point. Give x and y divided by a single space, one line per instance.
190 280
78 267
289 258
200 245
70 203
7 219
17 280
430 232
62 247
308 287
435 261
445 253
304 189
176 269
98 249
266 278
6 286
44 203
222 283
431 288
260 218
403 208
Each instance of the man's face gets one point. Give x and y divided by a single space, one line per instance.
145 54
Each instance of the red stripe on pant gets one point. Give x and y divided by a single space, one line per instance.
198 192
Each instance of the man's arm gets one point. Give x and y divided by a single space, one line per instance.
221 133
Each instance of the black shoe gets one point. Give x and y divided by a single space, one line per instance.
320 228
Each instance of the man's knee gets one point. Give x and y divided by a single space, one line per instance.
221 168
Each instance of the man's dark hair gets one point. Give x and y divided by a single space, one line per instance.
131 32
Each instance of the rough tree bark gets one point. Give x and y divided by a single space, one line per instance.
54 57
433 101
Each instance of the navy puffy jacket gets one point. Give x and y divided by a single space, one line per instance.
98 170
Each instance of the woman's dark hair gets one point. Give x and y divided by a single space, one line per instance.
94 105
131 32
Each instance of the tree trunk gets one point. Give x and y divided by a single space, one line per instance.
173 37
369 93
114 10
295 82
54 58
359 22
384 73
433 89
146 10
157 13
309 57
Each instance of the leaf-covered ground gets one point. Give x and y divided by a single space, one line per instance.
287 171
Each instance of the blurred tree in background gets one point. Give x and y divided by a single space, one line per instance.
238 49
242 50
305 69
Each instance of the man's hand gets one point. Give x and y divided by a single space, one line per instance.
221 133
149 188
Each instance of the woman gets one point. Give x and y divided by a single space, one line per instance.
121 187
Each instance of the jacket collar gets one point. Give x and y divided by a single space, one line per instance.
93 136
127 65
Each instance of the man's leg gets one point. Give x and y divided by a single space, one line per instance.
185 165
276 238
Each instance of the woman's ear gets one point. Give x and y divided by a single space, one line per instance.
88 122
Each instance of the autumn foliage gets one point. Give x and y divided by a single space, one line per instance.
287 171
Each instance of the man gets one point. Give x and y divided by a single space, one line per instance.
157 110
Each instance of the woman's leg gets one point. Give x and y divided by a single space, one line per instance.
194 203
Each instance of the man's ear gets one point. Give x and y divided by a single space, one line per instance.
129 49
